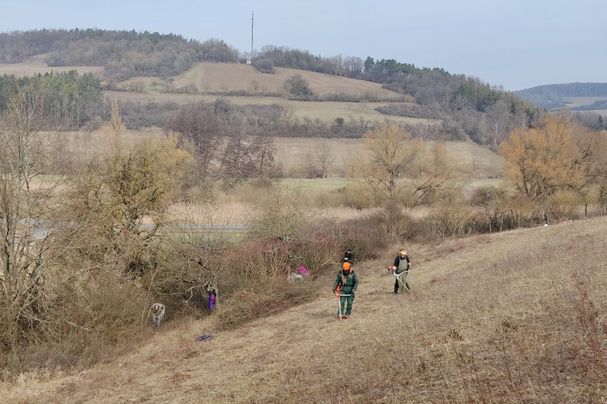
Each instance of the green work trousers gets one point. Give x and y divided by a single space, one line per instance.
345 303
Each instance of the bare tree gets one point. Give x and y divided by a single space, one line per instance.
24 240
401 169
325 160
393 155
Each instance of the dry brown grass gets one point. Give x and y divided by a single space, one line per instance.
224 212
326 111
36 67
225 77
470 159
511 317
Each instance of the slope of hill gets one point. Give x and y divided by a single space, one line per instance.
145 61
510 317
27 69
467 157
567 96
220 77
325 111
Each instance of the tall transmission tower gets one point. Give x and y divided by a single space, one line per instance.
250 60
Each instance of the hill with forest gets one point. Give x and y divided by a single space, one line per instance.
448 106
572 96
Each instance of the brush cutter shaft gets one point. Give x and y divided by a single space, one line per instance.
339 303
401 279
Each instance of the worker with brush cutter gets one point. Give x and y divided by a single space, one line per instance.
400 270
344 288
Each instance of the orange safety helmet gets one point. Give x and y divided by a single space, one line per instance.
346 266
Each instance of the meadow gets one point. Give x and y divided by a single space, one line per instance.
232 77
491 318
495 315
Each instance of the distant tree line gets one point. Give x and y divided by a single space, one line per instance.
272 56
123 54
62 101
481 112
552 93
484 113
555 96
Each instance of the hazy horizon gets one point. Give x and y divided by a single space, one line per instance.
514 44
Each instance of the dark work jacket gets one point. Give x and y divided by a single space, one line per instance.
397 263
350 285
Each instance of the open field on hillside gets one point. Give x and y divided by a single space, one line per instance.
34 68
230 77
293 153
468 158
475 166
511 317
573 102
326 111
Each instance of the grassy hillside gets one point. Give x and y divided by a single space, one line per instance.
292 152
510 317
232 77
35 67
326 111
468 157
212 80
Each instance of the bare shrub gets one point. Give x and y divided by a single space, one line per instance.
449 218
363 236
278 217
565 203
263 65
357 196
298 88
392 223
77 287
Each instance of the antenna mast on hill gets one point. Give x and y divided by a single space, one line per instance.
250 58
251 55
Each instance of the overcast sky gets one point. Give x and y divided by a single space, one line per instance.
513 43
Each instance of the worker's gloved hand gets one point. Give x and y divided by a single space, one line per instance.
353 295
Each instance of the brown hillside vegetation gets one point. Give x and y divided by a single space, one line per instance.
510 317
326 111
227 77
469 158
35 67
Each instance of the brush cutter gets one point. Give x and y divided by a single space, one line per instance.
401 278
